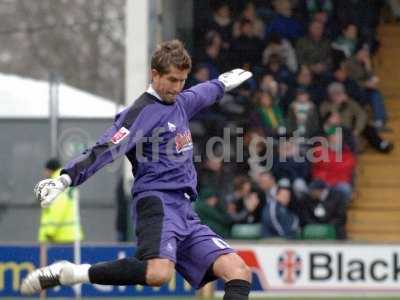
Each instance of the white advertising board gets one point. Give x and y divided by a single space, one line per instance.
323 268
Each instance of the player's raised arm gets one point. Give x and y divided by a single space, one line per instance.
205 94
127 130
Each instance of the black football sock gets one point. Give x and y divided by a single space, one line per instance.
127 271
237 289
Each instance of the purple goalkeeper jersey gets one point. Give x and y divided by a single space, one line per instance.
155 137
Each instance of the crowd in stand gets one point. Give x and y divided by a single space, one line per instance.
309 111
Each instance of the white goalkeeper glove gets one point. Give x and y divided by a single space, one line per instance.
234 78
46 191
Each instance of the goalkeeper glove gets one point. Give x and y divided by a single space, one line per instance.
234 78
46 191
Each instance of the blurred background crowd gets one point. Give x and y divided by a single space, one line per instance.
313 77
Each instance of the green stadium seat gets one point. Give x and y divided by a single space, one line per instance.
246 231
319 232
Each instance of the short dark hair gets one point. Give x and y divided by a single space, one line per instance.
52 164
170 53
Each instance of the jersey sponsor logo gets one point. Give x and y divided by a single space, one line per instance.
183 141
120 135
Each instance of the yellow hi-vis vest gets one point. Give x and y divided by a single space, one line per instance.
59 221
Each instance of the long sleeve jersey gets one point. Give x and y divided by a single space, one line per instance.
155 137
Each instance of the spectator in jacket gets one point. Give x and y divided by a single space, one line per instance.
246 47
303 117
284 23
351 113
324 205
304 80
278 219
314 50
290 163
360 69
222 23
353 117
334 163
249 12
347 41
212 212
282 47
267 116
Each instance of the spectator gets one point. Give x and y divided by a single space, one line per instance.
267 117
284 23
303 115
353 117
360 69
246 48
280 72
347 41
241 189
291 164
320 10
278 219
334 163
249 13
333 120
314 50
324 205
282 47
351 113
222 23
213 176
201 73
268 83
244 205
260 152
212 57
353 89
212 212
305 81
266 184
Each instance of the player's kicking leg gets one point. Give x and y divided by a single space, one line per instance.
128 271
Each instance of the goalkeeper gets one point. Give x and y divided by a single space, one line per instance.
154 135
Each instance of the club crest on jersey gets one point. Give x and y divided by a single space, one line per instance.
120 135
183 141
171 127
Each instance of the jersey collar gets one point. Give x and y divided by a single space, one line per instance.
150 90
153 92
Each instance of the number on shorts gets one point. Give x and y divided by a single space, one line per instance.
220 243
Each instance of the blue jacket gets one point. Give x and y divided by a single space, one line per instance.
279 221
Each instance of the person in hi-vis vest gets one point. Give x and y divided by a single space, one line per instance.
60 222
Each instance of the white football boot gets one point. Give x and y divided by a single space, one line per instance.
59 273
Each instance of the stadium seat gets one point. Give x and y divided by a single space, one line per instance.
319 232
246 231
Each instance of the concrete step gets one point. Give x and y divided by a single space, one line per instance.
380 237
375 216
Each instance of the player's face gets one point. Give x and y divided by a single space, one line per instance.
170 84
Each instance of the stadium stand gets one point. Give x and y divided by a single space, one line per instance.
285 65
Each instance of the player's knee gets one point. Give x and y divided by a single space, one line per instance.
158 278
158 273
232 266
242 271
